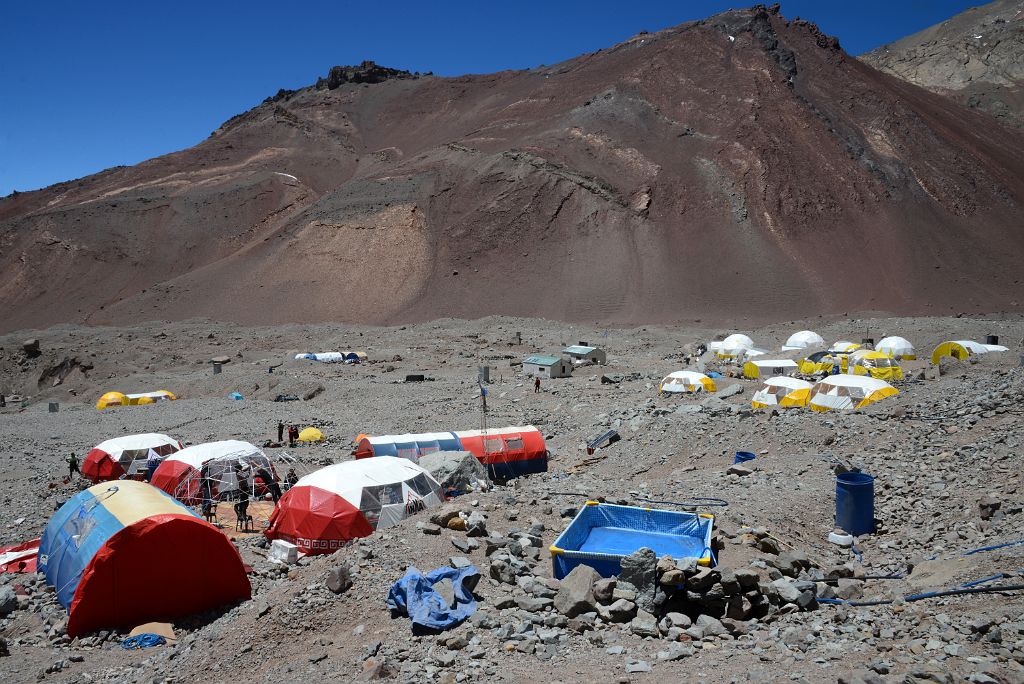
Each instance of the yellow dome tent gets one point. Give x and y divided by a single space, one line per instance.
782 391
111 399
845 392
962 349
686 381
877 364
311 434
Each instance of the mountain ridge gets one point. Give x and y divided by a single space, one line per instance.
742 165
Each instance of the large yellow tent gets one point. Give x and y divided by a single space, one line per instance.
782 391
846 392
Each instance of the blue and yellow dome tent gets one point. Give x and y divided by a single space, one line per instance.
123 553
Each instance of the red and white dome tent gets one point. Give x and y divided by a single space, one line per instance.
180 474
349 500
125 456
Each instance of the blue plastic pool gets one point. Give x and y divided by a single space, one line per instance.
602 534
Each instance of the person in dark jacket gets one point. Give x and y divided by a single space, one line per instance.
73 466
270 483
280 432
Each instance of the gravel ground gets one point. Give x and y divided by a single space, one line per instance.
945 453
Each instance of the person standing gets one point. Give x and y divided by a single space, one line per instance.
73 466
293 434
536 384
291 478
280 432
270 483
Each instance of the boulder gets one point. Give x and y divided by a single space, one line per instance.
459 470
710 626
8 601
604 590
31 348
639 569
673 577
747 577
644 625
221 360
576 593
339 579
702 580
620 611
786 591
445 513
849 589
988 505
476 524
503 572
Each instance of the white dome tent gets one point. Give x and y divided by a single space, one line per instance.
732 346
686 381
896 347
805 339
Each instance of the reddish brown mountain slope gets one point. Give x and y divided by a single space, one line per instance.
740 166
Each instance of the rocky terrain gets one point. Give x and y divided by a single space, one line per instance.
976 57
740 167
945 453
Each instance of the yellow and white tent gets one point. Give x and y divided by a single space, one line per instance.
782 391
149 397
844 347
845 392
686 381
752 370
822 363
961 349
897 348
732 346
877 364
805 339
111 399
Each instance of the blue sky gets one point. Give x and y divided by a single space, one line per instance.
90 85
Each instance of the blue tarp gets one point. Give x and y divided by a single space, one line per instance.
414 595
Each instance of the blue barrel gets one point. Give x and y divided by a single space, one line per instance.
743 457
855 503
